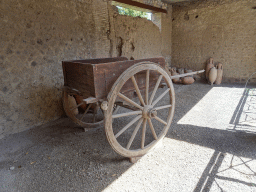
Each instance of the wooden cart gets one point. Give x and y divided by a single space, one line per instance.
134 99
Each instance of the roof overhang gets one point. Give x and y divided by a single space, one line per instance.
138 6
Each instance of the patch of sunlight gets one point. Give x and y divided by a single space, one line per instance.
175 166
216 109
179 166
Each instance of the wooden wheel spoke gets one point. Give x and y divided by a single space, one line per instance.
94 114
152 128
116 110
127 126
137 90
162 107
160 120
76 106
89 106
147 87
155 89
143 133
127 106
161 96
130 101
127 114
134 134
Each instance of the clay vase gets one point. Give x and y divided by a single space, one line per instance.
79 99
187 80
219 73
212 75
173 72
209 65
72 104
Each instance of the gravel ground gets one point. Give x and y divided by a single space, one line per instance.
211 146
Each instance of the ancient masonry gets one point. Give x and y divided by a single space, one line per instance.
224 30
37 35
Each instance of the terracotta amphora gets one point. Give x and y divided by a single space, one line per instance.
173 72
209 65
187 80
212 75
72 104
219 73
79 99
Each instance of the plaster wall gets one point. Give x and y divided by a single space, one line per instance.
35 36
223 29
138 38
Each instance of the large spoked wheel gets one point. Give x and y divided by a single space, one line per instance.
141 122
86 116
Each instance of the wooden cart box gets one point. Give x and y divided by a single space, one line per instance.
95 77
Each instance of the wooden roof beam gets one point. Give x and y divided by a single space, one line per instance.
141 5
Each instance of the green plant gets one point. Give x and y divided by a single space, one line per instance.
133 13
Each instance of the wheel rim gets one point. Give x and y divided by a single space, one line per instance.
146 110
87 117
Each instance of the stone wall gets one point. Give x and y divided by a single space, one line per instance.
131 37
35 36
223 29
138 38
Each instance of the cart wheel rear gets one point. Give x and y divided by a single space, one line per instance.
139 123
86 116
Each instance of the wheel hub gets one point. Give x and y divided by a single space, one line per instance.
149 112
152 113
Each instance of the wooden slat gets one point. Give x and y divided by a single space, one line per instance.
127 114
90 100
80 77
105 75
128 125
187 74
142 5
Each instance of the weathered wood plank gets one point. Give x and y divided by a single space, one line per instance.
187 74
142 5
78 74
95 77
105 76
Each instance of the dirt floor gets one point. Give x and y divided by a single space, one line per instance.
211 146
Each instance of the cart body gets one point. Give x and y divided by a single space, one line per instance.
94 78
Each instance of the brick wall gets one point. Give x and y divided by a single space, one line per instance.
224 30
